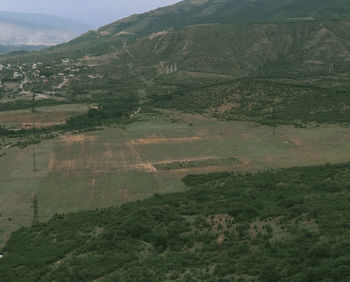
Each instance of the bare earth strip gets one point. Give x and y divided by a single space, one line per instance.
153 140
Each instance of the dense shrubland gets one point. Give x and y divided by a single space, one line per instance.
286 225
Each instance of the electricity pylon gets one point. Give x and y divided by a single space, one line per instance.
36 211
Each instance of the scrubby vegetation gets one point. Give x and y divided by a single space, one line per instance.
109 111
286 225
268 101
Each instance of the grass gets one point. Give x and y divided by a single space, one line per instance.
107 168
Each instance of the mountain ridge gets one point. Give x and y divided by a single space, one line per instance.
228 12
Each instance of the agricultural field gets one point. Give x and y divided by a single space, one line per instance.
44 117
124 163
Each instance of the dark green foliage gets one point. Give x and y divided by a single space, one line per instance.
109 111
266 101
286 225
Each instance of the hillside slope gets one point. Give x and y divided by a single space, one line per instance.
289 225
213 12
192 12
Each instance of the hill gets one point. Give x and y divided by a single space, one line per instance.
298 70
219 12
194 12
287 225
37 29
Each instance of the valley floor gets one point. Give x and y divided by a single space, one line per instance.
115 165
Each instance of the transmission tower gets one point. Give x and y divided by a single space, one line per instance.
36 211
125 41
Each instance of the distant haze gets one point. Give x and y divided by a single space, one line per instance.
92 12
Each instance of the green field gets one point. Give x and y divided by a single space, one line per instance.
108 167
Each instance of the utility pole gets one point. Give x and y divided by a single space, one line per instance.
331 68
34 158
36 211
274 120
33 104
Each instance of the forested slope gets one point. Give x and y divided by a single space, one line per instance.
286 225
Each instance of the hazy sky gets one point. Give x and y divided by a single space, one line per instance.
92 12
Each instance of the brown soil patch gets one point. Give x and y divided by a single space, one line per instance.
67 165
247 136
148 167
146 141
227 107
108 153
186 160
296 141
220 239
104 33
269 160
314 156
77 139
252 232
52 162
161 33
245 163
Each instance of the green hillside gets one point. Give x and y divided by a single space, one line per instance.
298 70
192 12
286 225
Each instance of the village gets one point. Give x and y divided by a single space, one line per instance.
45 81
